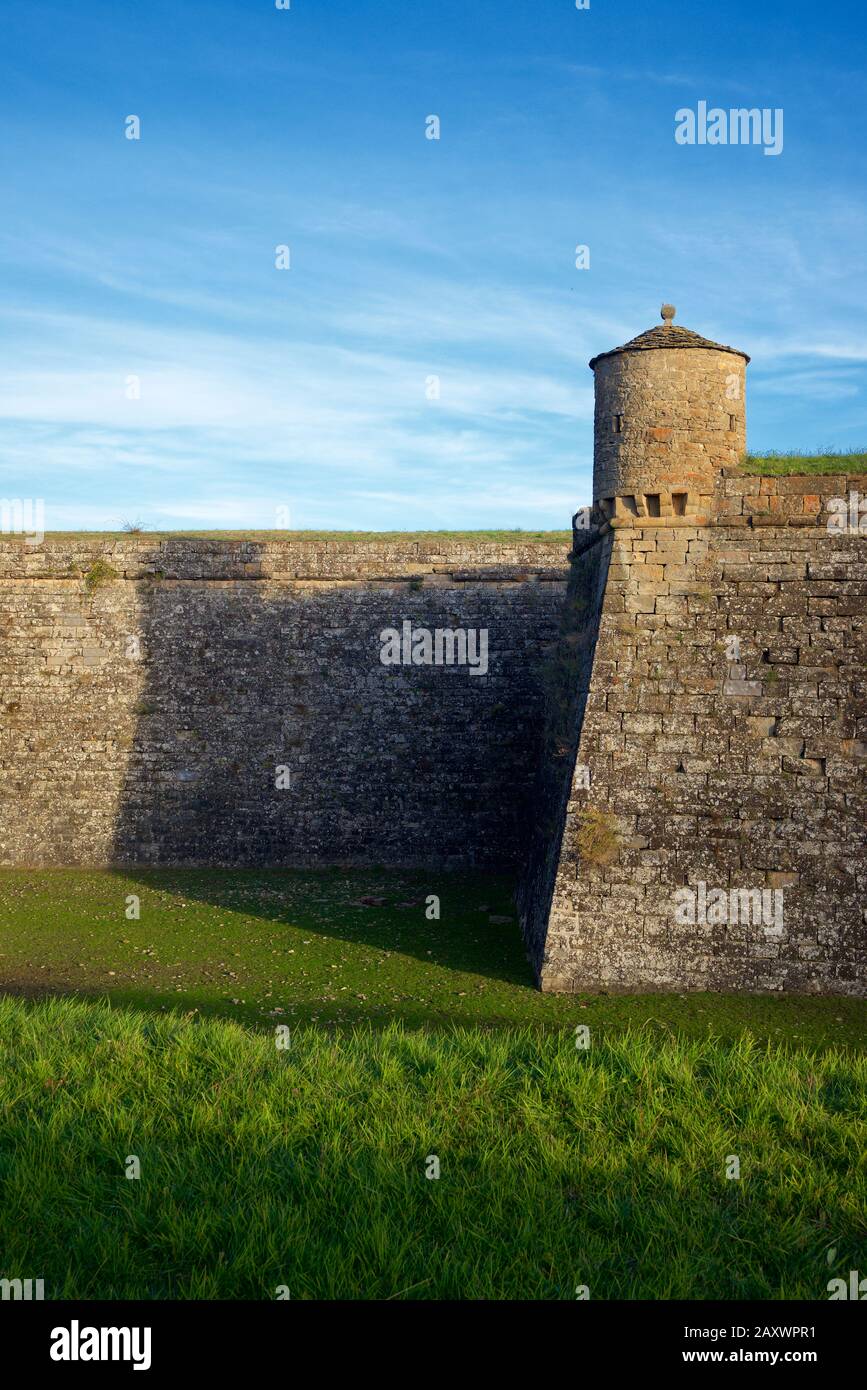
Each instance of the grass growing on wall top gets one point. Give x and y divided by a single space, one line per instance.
517 536
772 465
305 1167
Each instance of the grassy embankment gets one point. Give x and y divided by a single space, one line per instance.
306 1167
408 1038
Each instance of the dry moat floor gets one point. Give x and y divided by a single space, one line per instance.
412 1044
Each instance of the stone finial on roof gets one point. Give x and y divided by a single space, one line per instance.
667 335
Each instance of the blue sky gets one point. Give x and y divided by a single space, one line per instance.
306 389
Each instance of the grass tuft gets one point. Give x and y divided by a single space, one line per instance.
100 573
597 837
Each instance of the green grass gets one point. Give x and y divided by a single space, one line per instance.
264 945
408 1037
772 465
100 573
305 1167
516 535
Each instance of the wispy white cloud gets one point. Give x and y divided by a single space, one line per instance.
309 389
816 385
700 82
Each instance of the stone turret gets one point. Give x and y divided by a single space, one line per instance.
670 415
706 743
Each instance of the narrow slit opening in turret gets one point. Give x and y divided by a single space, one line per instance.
678 503
652 503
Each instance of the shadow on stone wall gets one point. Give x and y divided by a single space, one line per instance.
389 766
403 765
567 681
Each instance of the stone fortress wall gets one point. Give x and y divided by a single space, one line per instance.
149 690
668 739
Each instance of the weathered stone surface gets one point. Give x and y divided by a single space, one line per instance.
745 776
146 720
666 423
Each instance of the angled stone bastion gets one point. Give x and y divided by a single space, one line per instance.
701 803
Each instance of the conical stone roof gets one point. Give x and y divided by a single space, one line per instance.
668 335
